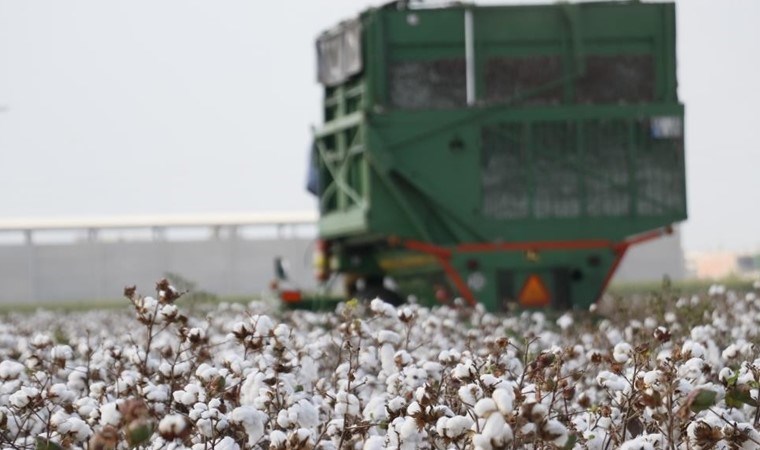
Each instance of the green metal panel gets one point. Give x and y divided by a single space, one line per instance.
574 133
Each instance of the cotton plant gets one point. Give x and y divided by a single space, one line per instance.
677 372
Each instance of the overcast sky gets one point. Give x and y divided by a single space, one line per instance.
181 106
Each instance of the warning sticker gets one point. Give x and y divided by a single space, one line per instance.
533 293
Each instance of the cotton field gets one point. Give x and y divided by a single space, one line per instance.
664 372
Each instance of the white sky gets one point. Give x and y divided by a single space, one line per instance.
186 106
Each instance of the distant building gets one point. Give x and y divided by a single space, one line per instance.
722 264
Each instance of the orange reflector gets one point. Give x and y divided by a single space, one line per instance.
533 293
290 296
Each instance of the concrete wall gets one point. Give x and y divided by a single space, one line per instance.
227 267
100 270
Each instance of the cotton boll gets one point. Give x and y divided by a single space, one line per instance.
565 321
637 443
553 431
23 397
109 414
227 443
730 352
252 421
504 399
489 380
388 337
725 374
470 393
695 349
262 325
497 431
622 352
374 443
346 404
381 308
307 414
387 361
10 369
484 407
375 410
464 371
611 381
456 426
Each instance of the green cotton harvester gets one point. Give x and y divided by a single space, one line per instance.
507 155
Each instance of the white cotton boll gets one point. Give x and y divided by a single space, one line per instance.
691 369
650 323
109 414
652 377
565 321
63 352
85 406
409 434
695 349
284 419
168 313
555 432
41 341
388 337
470 393
206 372
375 410
227 443
457 426
611 381
76 381
622 352
374 443
464 371
724 374
489 380
504 399
262 325
10 369
670 317
396 404
387 361
484 407
252 421
402 357
157 394
172 424
497 430
308 414
23 397
413 408
637 443
528 428
731 352
381 308
58 418
346 404
434 370
277 439
60 393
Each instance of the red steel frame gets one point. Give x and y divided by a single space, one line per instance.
443 254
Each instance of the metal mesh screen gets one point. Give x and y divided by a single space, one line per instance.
659 173
557 182
523 79
616 79
428 84
607 191
505 175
